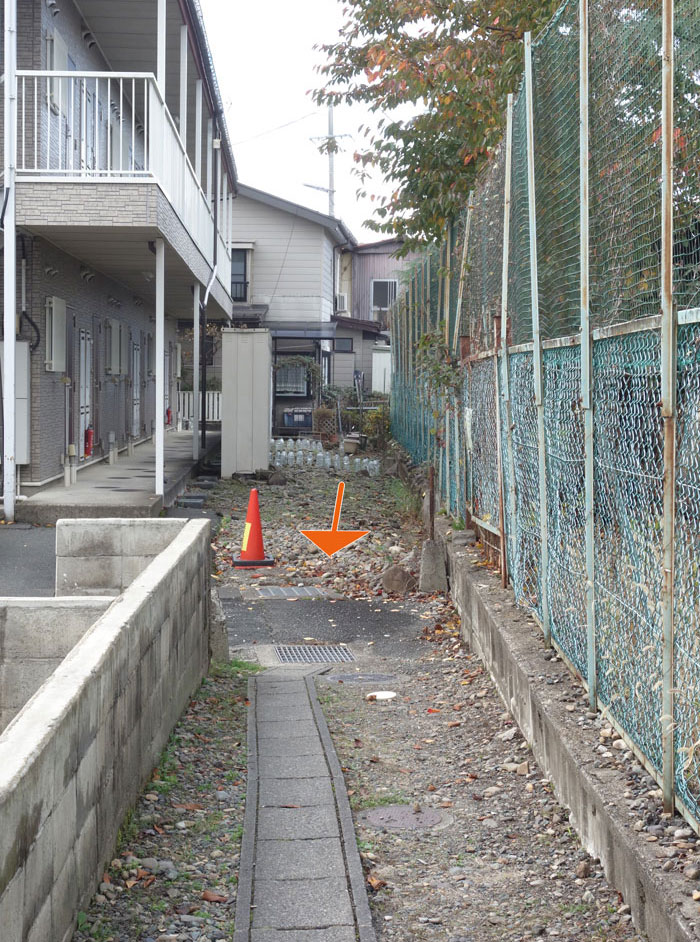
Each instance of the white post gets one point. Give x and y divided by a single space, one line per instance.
9 264
223 218
195 373
183 85
198 131
537 337
587 355
160 367
669 351
210 152
160 64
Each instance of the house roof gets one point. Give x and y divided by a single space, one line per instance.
197 20
336 228
357 323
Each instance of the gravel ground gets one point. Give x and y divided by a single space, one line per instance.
501 864
174 874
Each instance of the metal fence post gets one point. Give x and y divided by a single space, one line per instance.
586 355
505 369
460 290
669 351
537 338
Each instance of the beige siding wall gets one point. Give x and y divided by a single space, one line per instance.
287 258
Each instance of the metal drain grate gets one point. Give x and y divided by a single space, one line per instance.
285 592
313 653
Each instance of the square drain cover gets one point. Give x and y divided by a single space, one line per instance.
313 653
252 593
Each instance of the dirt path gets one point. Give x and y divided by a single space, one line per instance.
501 863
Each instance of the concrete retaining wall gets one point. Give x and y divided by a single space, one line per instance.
75 757
536 692
103 557
35 636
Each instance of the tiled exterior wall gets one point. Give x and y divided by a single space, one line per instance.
88 309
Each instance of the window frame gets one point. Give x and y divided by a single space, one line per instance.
337 349
374 308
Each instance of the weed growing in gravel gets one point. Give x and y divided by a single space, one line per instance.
408 502
363 802
128 830
234 668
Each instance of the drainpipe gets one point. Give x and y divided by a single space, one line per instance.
203 305
10 261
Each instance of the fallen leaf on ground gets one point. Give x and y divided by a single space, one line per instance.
212 897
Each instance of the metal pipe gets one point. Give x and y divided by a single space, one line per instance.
505 372
537 339
669 332
586 356
10 261
160 367
195 372
460 291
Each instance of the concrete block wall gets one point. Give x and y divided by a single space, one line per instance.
103 557
35 636
74 759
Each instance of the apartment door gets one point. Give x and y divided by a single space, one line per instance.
85 388
136 389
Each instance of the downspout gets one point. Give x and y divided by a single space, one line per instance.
203 303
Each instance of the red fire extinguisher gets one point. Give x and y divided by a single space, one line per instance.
168 416
89 441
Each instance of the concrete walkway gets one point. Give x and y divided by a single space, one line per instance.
300 876
123 489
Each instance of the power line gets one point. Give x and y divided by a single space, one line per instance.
278 128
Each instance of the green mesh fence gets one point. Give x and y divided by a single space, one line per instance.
628 470
628 474
485 501
686 208
625 161
482 289
566 510
687 572
527 551
556 117
519 299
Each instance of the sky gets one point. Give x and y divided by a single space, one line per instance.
264 60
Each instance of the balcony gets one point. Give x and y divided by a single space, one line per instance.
97 127
239 291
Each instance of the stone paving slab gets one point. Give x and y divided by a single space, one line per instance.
292 824
292 767
286 729
305 792
301 904
271 708
291 746
330 934
288 860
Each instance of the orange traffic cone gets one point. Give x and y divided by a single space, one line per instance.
252 551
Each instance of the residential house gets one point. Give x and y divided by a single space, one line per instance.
284 262
125 181
369 278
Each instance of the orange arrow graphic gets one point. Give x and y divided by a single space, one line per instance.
330 541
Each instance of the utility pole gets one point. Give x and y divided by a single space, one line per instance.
331 162
330 139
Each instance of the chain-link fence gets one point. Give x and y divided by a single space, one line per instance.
559 441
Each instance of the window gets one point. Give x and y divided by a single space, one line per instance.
383 295
291 380
239 274
342 344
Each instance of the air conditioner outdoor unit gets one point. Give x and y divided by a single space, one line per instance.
341 302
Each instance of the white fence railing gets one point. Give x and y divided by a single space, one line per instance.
186 406
93 126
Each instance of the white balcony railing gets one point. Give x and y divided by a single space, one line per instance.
96 126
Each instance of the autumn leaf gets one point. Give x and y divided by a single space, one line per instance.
375 882
211 897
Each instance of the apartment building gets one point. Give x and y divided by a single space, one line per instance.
125 181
